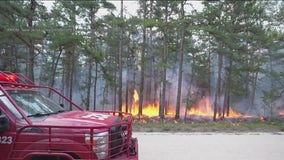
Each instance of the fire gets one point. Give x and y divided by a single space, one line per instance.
281 113
203 108
235 114
136 96
150 110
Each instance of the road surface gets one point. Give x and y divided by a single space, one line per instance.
210 146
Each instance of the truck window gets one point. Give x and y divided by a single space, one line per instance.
4 100
4 123
34 104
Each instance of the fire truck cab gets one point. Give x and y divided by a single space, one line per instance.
33 126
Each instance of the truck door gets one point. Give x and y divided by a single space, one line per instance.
6 136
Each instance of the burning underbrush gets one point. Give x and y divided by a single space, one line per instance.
202 110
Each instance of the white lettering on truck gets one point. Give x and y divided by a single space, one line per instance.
97 116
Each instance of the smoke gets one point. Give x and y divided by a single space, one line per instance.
172 89
240 104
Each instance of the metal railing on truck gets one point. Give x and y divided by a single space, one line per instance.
78 142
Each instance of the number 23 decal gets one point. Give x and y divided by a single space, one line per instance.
6 140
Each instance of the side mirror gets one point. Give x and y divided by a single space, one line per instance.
4 123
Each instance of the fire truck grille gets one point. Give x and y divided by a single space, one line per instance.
47 139
119 140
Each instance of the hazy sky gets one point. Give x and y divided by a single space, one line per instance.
130 6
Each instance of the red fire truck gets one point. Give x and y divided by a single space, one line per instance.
33 126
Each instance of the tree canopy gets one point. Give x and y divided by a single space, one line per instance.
171 52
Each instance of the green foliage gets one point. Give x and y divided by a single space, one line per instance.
150 23
270 96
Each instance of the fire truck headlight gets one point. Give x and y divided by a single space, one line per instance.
100 144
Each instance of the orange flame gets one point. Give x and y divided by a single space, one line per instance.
235 114
150 110
203 109
136 96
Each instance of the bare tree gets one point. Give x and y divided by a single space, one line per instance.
31 53
141 95
218 87
164 68
120 61
181 55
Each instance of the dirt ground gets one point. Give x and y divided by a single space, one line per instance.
210 146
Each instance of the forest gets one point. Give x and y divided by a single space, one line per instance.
169 53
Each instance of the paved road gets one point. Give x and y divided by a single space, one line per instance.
210 146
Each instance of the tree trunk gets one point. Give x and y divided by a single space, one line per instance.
127 93
115 93
255 71
218 88
181 52
120 61
153 80
191 82
95 85
89 83
141 95
226 104
209 67
71 81
54 69
31 53
164 69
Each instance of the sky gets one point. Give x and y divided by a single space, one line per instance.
130 6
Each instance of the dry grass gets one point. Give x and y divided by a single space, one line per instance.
170 125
